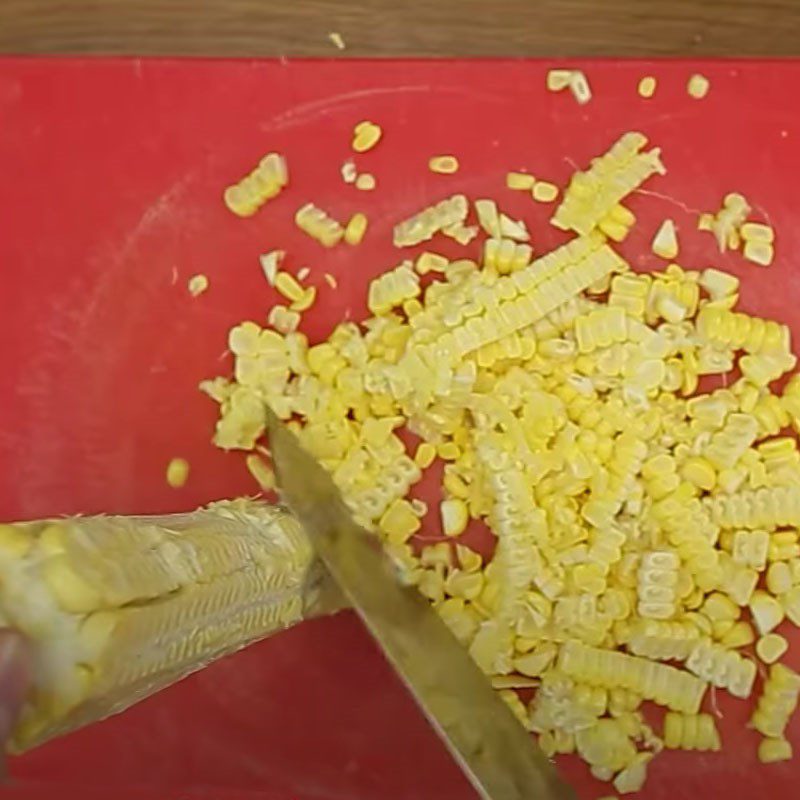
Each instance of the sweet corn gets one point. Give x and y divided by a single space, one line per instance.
263 183
771 648
761 253
215 580
544 192
177 472
355 229
318 225
773 750
197 284
365 182
665 242
579 86
520 180
647 86
424 225
455 517
365 136
558 79
443 165
698 86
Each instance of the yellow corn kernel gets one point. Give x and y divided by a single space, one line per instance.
270 263
318 225
283 319
443 165
718 284
579 86
356 228
430 262
544 192
767 612
399 522
349 171
771 648
740 635
698 86
365 136
448 451
287 285
177 472
366 182
467 585
647 86
337 40
425 455
665 242
197 285
772 750
699 472
558 79
262 184
455 516
520 180
306 301
779 578
761 253
632 778
261 471
757 232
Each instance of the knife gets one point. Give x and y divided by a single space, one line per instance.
496 754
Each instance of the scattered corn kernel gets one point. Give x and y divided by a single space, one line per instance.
579 86
761 253
261 471
443 165
665 242
757 232
365 136
771 648
262 184
773 750
197 285
331 280
558 79
520 180
425 455
366 182
337 40
177 472
647 86
544 192
355 229
270 264
287 285
349 171
698 86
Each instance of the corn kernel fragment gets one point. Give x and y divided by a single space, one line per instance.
647 86
698 86
177 472
443 165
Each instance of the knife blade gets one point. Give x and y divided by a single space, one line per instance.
494 751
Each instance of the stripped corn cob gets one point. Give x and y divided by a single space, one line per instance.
193 587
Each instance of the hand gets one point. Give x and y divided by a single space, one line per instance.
15 673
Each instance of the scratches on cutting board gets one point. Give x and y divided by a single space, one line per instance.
304 113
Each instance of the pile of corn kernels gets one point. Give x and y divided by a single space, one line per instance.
646 532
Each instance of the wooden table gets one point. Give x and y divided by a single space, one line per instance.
402 27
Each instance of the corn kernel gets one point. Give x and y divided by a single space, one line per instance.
772 750
767 612
520 180
455 516
425 455
177 472
287 285
761 253
365 136
443 165
771 648
366 182
647 86
665 242
757 232
270 264
558 79
197 285
355 229
579 86
544 192
698 86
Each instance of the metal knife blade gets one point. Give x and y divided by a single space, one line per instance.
500 759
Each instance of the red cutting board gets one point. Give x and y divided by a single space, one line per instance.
111 177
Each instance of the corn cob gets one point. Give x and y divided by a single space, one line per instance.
117 608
